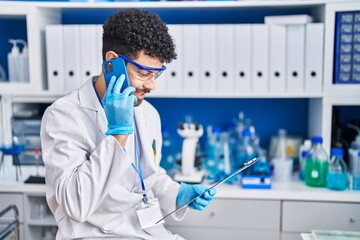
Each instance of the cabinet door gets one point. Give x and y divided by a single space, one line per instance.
307 216
192 233
11 198
229 213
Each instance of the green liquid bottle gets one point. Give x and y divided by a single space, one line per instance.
316 166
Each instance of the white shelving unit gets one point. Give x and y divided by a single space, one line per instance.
39 14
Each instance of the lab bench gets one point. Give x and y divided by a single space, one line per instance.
279 213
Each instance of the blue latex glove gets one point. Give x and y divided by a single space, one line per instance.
119 107
188 192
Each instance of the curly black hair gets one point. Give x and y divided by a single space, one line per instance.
132 30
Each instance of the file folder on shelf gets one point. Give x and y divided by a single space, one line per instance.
174 71
243 55
191 54
314 45
88 53
225 70
208 58
288 19
71 56
260 59
55 58
295 58
277 55
99 57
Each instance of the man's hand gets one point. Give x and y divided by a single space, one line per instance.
188 192
119 107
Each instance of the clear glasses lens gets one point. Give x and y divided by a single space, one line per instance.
144 75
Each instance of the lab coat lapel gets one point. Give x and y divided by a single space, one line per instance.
90 101
145 142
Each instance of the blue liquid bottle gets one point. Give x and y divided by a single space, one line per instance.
336 178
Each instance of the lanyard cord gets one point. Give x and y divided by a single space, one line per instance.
138 169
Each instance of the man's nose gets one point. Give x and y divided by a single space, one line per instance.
150 84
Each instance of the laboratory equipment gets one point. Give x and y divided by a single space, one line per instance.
37 178
293 144
191 132
13 58
316 165
336 178
168 151
303 151
355 171
2 74
13 150
23 62
283 164
245 166
18 62
245 150
260 175
354 158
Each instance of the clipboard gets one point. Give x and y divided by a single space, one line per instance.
246 165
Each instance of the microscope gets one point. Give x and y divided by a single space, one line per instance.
191 132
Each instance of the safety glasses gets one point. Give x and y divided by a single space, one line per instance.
143 73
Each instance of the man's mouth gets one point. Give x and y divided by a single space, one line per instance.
140 94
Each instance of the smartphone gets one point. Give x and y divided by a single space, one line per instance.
115 67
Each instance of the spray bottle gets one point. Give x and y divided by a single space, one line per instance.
14 62
23 63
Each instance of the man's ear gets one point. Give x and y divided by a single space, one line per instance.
110 55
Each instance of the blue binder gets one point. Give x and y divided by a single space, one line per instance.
347 48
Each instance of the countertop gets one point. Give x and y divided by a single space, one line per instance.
290 190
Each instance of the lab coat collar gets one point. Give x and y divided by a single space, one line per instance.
87 95
89 100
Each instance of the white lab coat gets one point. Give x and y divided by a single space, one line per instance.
91 187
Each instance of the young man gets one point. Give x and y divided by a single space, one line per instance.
99 144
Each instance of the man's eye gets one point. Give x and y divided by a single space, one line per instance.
143 74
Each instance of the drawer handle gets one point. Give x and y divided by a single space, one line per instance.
212 214
352 220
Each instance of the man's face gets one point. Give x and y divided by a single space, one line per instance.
143 80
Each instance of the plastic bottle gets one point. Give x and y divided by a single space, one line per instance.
2 74
336 178
317 163
283 165
23 63
245 151
212 150
355 172
303 151
354 151
14 62
262 168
